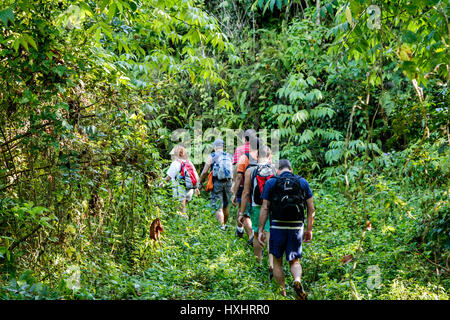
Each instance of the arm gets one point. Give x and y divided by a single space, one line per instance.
205 169
166 179
263 214
197 186
239 174
237 182
307 236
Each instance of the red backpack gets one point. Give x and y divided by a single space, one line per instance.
260 175
188 175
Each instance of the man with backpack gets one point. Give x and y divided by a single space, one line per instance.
286 196
255 179
238 184
245 161
221 163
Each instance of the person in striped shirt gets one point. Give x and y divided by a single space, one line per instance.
286 228
245 148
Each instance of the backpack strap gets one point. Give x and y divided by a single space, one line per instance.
183 164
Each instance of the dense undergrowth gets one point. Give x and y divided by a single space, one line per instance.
93 90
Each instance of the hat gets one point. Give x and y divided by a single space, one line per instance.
218 143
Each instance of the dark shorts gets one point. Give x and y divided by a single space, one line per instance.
287 241
220 194
247 210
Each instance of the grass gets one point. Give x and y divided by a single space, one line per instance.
197 260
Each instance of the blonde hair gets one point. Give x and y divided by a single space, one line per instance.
180 152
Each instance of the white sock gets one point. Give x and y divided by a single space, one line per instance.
240 229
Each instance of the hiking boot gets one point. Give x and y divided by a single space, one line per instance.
300 293
238 233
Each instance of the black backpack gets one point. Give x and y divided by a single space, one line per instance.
252 163
288 199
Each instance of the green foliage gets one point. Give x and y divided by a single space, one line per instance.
91 92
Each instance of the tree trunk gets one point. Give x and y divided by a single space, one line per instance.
318 12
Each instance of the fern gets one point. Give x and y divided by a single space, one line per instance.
300 116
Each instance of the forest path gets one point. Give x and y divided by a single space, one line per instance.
197 260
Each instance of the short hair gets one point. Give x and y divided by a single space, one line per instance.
255 143
268 151
248 134
284 164
264 151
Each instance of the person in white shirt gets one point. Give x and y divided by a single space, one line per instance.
179 156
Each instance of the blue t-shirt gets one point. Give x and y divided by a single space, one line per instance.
267 194
267 191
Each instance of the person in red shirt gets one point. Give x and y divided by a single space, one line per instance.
245 148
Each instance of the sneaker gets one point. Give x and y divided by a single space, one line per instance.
300 293
250 242
270 273
223 228
238 233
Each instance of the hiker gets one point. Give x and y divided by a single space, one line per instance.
221 163
240 150
286 196
184 177
246 160
255 179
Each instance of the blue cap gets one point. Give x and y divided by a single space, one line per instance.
218 143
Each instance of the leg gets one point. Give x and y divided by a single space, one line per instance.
226 213
188 198
237 213
219 216
296 269
248 221
268 250
257 250
183 205
226 200
217 201
278 273
293 254
248 227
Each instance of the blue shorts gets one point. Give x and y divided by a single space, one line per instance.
288 241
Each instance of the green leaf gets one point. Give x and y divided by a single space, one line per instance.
23 42
272 3
348 16
279 4
112 10
16 44
6 16
409 37
30 40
